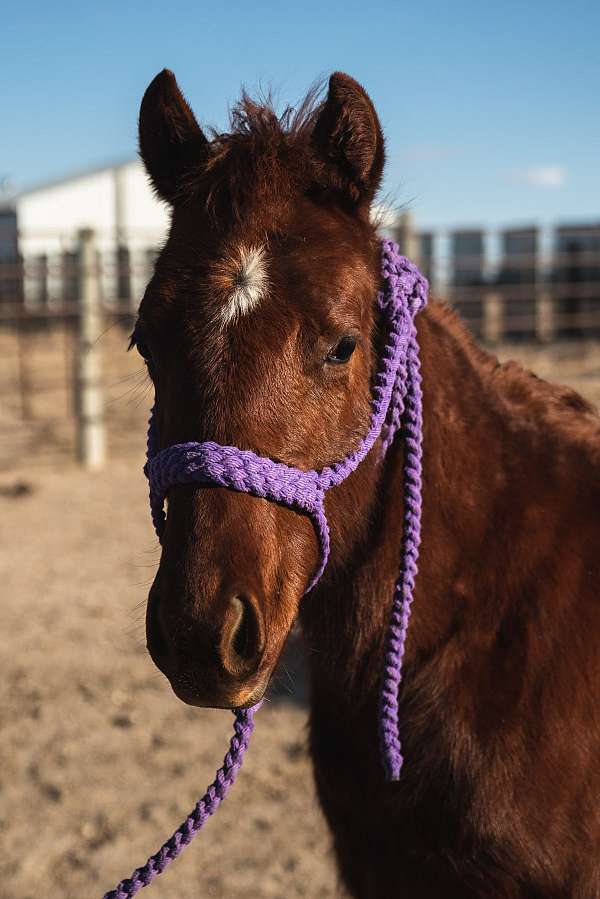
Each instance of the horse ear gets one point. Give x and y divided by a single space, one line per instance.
172 143
348 142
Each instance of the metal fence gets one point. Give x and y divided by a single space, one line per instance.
67 304
526 284
68 388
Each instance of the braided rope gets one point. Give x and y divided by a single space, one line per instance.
396 403
391 749
215 794
396 408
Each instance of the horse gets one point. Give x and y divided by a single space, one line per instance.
260 330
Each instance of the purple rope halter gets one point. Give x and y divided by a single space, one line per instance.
396 402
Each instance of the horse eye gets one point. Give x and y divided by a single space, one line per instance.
136 341
342 351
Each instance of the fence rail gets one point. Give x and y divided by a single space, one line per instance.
65 314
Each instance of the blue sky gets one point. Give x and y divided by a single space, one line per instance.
491 112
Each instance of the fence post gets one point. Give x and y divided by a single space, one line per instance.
91 438
23 356
406 237
493 317
544 320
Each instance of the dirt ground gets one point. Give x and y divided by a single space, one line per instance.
99 762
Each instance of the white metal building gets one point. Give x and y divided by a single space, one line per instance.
116 202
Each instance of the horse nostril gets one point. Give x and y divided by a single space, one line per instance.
241 640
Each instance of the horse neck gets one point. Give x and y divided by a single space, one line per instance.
477 463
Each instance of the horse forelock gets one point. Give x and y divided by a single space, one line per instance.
263 156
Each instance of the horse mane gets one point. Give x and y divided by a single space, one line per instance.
520 391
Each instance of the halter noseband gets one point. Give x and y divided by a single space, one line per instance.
396 402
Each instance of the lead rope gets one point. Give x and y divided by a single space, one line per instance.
389 731
238 469
195 821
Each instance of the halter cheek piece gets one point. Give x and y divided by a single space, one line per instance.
396 402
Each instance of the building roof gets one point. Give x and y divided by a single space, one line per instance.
75 176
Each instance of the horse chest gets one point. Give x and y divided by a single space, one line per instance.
433 834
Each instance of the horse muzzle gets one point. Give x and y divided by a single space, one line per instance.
216 662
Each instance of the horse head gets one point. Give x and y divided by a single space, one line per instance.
259 331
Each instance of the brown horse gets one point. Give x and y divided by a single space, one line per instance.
259 330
